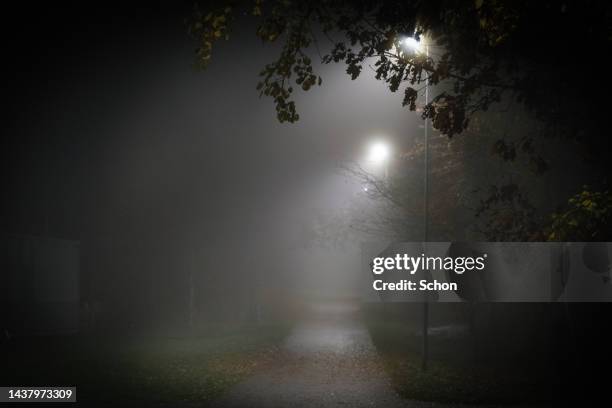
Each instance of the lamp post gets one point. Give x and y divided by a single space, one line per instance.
415 46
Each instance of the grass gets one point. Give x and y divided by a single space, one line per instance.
141 369
455 374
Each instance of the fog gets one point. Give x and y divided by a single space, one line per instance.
160 170
162 233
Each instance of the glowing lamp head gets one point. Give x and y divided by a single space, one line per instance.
411 44
379 152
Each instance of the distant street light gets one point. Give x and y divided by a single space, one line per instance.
379 154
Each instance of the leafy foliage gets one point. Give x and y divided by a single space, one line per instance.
587 217
511 216
208 28
539 54
508 151
481 50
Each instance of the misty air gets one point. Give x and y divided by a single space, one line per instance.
305 204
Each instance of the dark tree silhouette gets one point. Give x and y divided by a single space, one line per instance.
542 55
483 49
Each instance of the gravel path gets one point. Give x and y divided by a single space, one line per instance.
327 361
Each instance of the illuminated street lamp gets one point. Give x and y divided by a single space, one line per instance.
379 154
413 45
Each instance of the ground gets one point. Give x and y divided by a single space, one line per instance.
143 370
334 356
327 361
339 356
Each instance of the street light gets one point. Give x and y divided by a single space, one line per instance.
379 154
413 45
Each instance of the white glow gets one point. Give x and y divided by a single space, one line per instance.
379 152
411 44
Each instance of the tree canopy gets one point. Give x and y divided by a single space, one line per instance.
483 49
548 56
